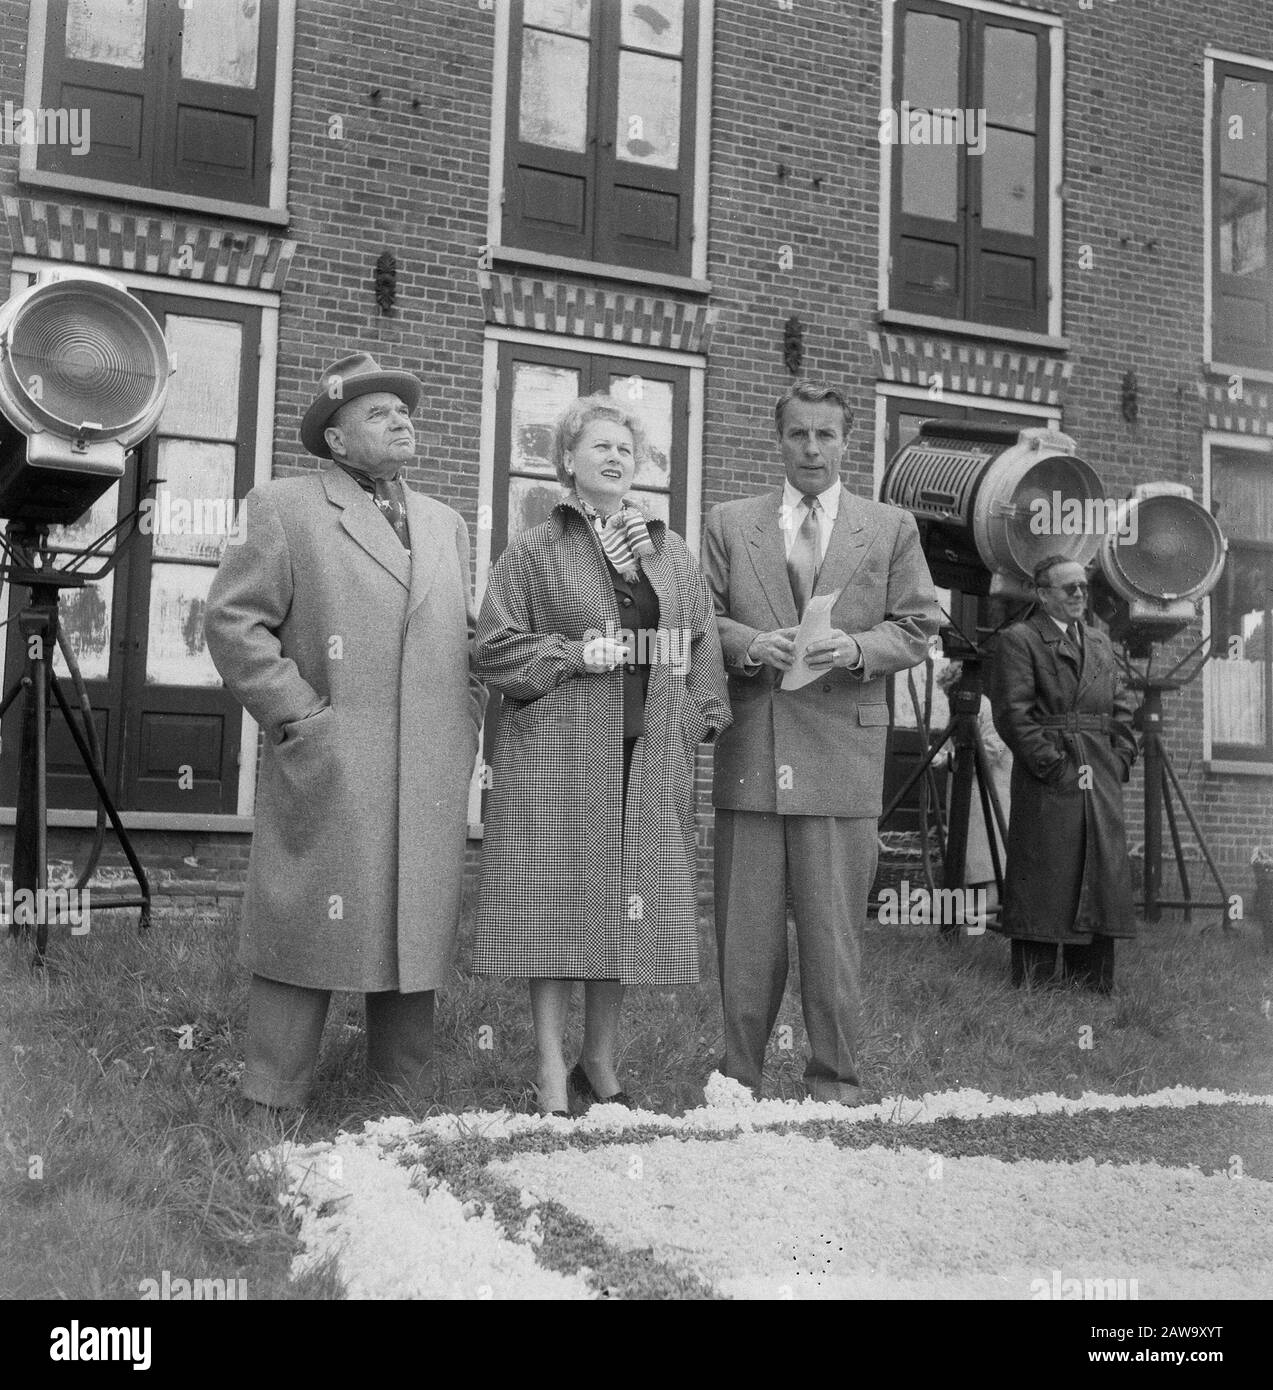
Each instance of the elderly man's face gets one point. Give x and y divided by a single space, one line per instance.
813 445
374 433
1056 603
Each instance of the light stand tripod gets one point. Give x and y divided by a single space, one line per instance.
30 564
1161 780
970 766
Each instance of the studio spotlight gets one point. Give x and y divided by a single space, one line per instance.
83 375
1166 554
991 501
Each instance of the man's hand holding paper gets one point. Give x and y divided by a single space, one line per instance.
819 646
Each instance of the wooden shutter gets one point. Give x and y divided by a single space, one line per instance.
572 192
644 211
1007 268
152 127
216 136
122 101
1242 312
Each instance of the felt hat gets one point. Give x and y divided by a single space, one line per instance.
345 380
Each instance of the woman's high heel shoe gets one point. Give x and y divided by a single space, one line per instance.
578 1082
539 1110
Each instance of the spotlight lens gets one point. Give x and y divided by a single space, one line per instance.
1178 552
86 357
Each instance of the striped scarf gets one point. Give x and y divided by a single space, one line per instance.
624 538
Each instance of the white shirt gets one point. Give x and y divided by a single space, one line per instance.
792 513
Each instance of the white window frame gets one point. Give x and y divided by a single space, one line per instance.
1220 439
1210 57
1056 172
276 212
242 820
494 251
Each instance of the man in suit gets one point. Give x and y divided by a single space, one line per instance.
799 777
1061 705
344 624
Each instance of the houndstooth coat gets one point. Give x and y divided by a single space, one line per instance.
565 893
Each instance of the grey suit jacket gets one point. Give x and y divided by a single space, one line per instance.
818 751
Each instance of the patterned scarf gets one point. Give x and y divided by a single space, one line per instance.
624 537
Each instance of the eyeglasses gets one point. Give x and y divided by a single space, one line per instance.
1070 590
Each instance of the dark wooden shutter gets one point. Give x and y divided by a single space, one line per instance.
215 140
645 213
961 269
549 194
1242 311
152 128
1007 271
122 104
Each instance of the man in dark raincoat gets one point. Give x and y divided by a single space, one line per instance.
1061 706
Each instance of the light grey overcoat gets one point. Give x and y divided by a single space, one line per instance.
355 875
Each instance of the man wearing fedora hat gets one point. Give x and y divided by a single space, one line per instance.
344 625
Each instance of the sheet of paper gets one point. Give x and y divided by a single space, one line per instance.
815 625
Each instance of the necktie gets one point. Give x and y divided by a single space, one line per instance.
388 496
1072 632
802 563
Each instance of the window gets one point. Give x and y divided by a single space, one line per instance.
1241 670
1242 167
177 99
535 385
159 704
600 138
970 129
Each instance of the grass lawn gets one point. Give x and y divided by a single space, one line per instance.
126 1146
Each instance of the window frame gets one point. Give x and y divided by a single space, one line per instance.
1050 158
1227 61
500 250
23 271
1259 764
274 212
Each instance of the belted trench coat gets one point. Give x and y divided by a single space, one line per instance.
1070 732
574 884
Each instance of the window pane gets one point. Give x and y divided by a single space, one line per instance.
530 502
1240 625
656 24
1242 495
176 652
1244 227
219 42
656 504
1007 182
86 620
649 129
194 514
1010 79
930 181
99 518
1244 116
540 396
107 31
203 393
930 61
554 103
565 16
651 402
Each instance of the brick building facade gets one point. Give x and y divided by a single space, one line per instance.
673 200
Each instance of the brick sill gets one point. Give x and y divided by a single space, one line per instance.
508 258
157 198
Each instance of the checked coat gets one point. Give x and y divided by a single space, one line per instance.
575 885
1067 875
354 657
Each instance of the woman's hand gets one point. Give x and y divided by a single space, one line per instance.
604 654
